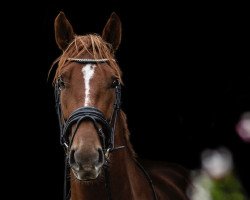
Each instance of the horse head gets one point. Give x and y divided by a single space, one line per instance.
87 84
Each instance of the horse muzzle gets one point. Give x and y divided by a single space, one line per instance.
86 166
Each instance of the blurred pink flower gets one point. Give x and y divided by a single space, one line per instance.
243 127
217 163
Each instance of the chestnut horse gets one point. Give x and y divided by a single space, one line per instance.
100 160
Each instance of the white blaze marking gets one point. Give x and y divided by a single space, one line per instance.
88 72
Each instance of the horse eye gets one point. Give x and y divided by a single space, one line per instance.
115 83
61 84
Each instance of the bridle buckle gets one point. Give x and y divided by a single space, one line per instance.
107 153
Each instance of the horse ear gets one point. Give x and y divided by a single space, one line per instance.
112 31
64 33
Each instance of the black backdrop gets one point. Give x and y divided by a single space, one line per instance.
185 73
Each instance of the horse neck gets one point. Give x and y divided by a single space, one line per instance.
126 180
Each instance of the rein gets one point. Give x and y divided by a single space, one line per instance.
106 132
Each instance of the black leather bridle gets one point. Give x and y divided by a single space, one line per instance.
106 130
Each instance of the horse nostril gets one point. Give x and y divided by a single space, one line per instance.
72 160
101 156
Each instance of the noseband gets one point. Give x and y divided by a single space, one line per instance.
105 128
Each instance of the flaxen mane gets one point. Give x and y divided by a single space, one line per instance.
90 44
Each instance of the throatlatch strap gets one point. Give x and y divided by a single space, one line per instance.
66 192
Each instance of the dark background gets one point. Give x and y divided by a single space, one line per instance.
186 83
